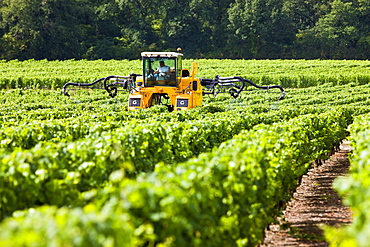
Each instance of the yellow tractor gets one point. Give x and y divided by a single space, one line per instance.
165 82
164 79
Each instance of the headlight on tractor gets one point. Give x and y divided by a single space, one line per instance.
182 103
134 102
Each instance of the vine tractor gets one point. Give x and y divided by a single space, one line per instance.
165 82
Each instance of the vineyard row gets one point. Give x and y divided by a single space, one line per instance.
225 196
287 73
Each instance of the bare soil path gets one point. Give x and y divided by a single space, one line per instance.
314 203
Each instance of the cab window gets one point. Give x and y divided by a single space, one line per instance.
159 71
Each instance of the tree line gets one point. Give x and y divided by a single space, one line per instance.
121 29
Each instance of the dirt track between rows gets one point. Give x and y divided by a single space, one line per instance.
314 203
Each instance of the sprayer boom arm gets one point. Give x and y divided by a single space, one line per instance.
235 84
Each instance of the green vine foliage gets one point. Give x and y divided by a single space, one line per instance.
84 171
355 189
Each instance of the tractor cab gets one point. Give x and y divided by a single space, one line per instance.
161 68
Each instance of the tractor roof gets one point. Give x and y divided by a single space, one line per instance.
161 54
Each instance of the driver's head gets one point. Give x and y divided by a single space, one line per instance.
161 63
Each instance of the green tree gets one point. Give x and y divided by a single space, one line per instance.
363 44
305 13
198 26
261 28
335 35
100 36
140 24
19 26
42 28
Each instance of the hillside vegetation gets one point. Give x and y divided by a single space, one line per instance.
112 29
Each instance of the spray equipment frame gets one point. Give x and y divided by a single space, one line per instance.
110 84
235 86
179 89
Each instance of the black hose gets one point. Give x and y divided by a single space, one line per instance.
268 87
107 86
79 85
112 91
230 82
